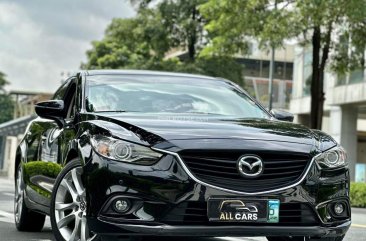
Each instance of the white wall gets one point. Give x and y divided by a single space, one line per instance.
298 74
9 155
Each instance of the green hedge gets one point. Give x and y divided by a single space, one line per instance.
358 194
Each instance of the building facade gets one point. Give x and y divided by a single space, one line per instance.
344 109
256 67
12 131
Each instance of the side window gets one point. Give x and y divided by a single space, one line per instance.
67 93
69 100
60 93
72 108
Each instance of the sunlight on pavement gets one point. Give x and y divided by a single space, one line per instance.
358 226
6 217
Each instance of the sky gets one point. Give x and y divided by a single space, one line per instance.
41 39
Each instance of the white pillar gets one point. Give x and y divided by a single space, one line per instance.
281 94
343 128
9 157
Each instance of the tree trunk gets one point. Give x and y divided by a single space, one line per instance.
192 37
317 82
192 48
317 96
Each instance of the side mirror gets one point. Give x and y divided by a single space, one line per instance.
52 109
282 115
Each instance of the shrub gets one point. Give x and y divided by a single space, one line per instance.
358 194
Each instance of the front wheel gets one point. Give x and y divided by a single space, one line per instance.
340 238
68 205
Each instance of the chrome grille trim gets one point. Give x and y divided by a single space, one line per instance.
190 174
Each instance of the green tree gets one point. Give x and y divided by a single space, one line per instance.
129 41
142 42
183 22
315 23
6 103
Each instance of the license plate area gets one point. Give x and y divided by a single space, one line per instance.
243 210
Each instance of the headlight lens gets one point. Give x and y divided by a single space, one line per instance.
333 158
124 151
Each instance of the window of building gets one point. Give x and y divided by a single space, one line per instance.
265 69
341 79
356 76
260 68
252 67
289 71
282 70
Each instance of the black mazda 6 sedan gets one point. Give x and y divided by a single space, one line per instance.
142 153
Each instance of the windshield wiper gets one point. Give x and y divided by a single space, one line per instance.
114 111
203 113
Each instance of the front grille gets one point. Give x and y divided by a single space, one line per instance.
195 213
220 169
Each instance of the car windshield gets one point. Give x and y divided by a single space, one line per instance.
168 94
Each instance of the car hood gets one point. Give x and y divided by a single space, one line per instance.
181 130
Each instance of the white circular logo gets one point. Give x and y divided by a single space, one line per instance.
250 166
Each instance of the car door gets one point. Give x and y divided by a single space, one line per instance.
44 157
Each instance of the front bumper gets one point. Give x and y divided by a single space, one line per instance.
106 228
163 194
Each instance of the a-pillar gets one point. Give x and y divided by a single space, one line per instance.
343 128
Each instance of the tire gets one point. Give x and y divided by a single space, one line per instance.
340 238
25 219
68 205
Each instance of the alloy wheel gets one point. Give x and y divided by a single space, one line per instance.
18 197
70 208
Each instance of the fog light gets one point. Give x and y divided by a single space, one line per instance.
121 205
338 208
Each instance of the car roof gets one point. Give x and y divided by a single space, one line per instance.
148 72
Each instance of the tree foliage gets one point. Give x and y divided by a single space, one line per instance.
142 42
320 24
128 41
185 24
6 103
182 21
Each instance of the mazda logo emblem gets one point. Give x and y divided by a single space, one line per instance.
250 166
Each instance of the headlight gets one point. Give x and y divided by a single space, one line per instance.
124 151
333 158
